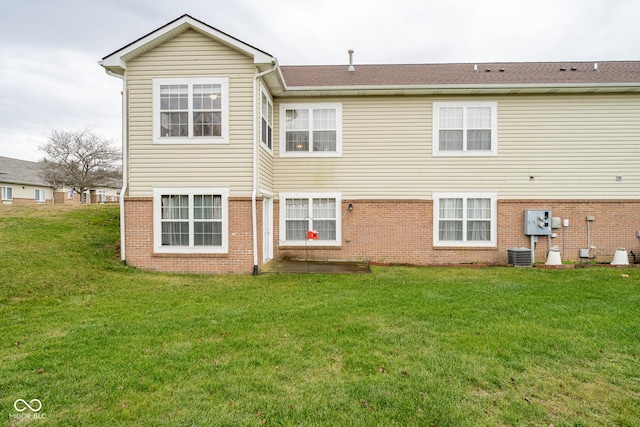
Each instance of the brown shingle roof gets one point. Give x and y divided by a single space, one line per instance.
463 74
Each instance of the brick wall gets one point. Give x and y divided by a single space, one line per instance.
401 232
139 242
21 201
396 232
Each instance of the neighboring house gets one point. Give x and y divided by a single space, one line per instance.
21 182
230 158
106 194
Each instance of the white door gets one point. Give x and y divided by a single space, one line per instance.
267 228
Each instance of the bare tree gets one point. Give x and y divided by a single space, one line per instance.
79 160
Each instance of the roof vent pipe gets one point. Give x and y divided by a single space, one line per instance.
351 67
595 67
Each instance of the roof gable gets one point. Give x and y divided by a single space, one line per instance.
116 61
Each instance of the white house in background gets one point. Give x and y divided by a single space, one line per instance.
21 182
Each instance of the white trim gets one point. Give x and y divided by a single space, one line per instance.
267 227
40 191
222 139
310 243
4 194
464 153
493 242
311 106
176 27
191 249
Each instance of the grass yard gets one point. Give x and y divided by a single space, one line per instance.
99 344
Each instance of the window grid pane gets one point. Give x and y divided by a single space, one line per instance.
175 233
451 140
451 208
478 140
207 97
296 229
207 124
324 208
174 97
479 231
297 208
174 124
450 230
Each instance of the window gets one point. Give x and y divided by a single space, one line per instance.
102 196
464 219
320 212
191 110
191 220
7 193
40 196
465 128
311 129
266 121
71 193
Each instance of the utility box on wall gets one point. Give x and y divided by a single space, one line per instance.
537 222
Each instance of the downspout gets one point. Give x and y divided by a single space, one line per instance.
254 192
125 145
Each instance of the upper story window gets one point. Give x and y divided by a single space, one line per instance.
266 121
464 219
465 129
191 110
311 130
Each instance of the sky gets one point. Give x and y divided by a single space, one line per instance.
49 49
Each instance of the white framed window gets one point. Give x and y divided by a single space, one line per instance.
191 110
311 129
7 193
40 195
465 128
303 212
71 193
266 120
191 220
102 196
465 219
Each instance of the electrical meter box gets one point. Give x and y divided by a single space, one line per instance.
537 222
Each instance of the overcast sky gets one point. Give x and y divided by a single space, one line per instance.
50 79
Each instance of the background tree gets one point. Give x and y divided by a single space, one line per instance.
80 160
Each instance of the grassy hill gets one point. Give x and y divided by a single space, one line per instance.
101 344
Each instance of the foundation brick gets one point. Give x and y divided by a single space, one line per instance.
396 232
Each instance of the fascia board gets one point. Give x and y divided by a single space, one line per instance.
460 89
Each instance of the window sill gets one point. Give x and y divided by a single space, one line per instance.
189 255
464 248
191 141
310 247
465 153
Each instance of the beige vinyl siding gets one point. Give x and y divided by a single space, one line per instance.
265 157
190 165
573 146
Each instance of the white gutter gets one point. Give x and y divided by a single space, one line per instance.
125 145
254 192
472 89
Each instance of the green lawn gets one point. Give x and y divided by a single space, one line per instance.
100 344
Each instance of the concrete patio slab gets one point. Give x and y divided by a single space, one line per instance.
325 267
